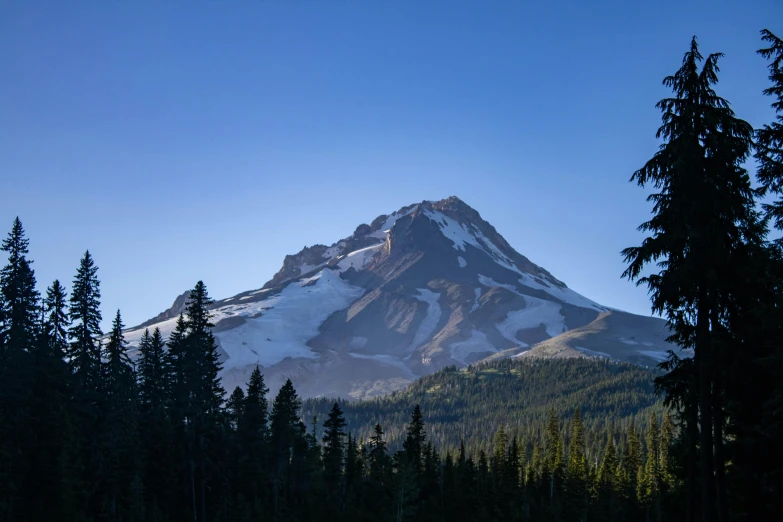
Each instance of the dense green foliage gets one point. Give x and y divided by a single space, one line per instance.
467 406
86 434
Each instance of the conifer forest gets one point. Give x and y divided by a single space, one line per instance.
89 433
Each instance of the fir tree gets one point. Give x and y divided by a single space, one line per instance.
414 440
204 395
769 139
118 413
155 430
285 436
56 322
253 436
334 448
653 481
19 296
84 352
576 472
704 212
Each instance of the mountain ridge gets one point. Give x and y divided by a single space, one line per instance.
430 285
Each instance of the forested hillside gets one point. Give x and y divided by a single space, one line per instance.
470 405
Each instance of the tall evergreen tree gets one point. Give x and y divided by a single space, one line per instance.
19 296
84 352
118 412
49 418
253 436
576 472
84 361
334 448
155 430
415 438
286 435
204 397
56 322
705 211
653 479
769 139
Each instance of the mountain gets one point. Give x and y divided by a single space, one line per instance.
428 286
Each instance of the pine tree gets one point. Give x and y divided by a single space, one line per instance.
204 397
176 365
576 472
285 436
334 449
253 437
118 412
769 139
19 296
653 480
704 212
155 430
607 483
84 362
553 459
415 438
56 323
84 352
500 453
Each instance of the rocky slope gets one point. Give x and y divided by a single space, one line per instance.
427 286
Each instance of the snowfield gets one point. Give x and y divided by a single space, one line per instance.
287 321
536 312
461 235
478 343
358 258
430 322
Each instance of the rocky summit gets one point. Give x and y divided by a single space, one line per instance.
428 286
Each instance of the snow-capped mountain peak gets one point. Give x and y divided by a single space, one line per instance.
429 285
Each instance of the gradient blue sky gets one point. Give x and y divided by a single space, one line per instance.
194 140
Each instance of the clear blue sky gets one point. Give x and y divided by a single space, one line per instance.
194 140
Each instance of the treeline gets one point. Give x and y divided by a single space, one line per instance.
467 406
86 434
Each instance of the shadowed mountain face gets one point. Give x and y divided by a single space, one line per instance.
430 285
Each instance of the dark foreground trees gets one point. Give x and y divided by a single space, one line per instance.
718 284
88 434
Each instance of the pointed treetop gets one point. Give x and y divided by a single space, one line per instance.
16 243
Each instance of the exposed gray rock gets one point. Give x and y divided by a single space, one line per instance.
428 286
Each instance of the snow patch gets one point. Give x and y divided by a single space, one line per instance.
461 235
357 343
536 312
388 360
563 294
462 262
290 319
592 353
478 343
626 341
305 268
383 232
430 322
654 354
316 277
331 252
477 292
358 258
